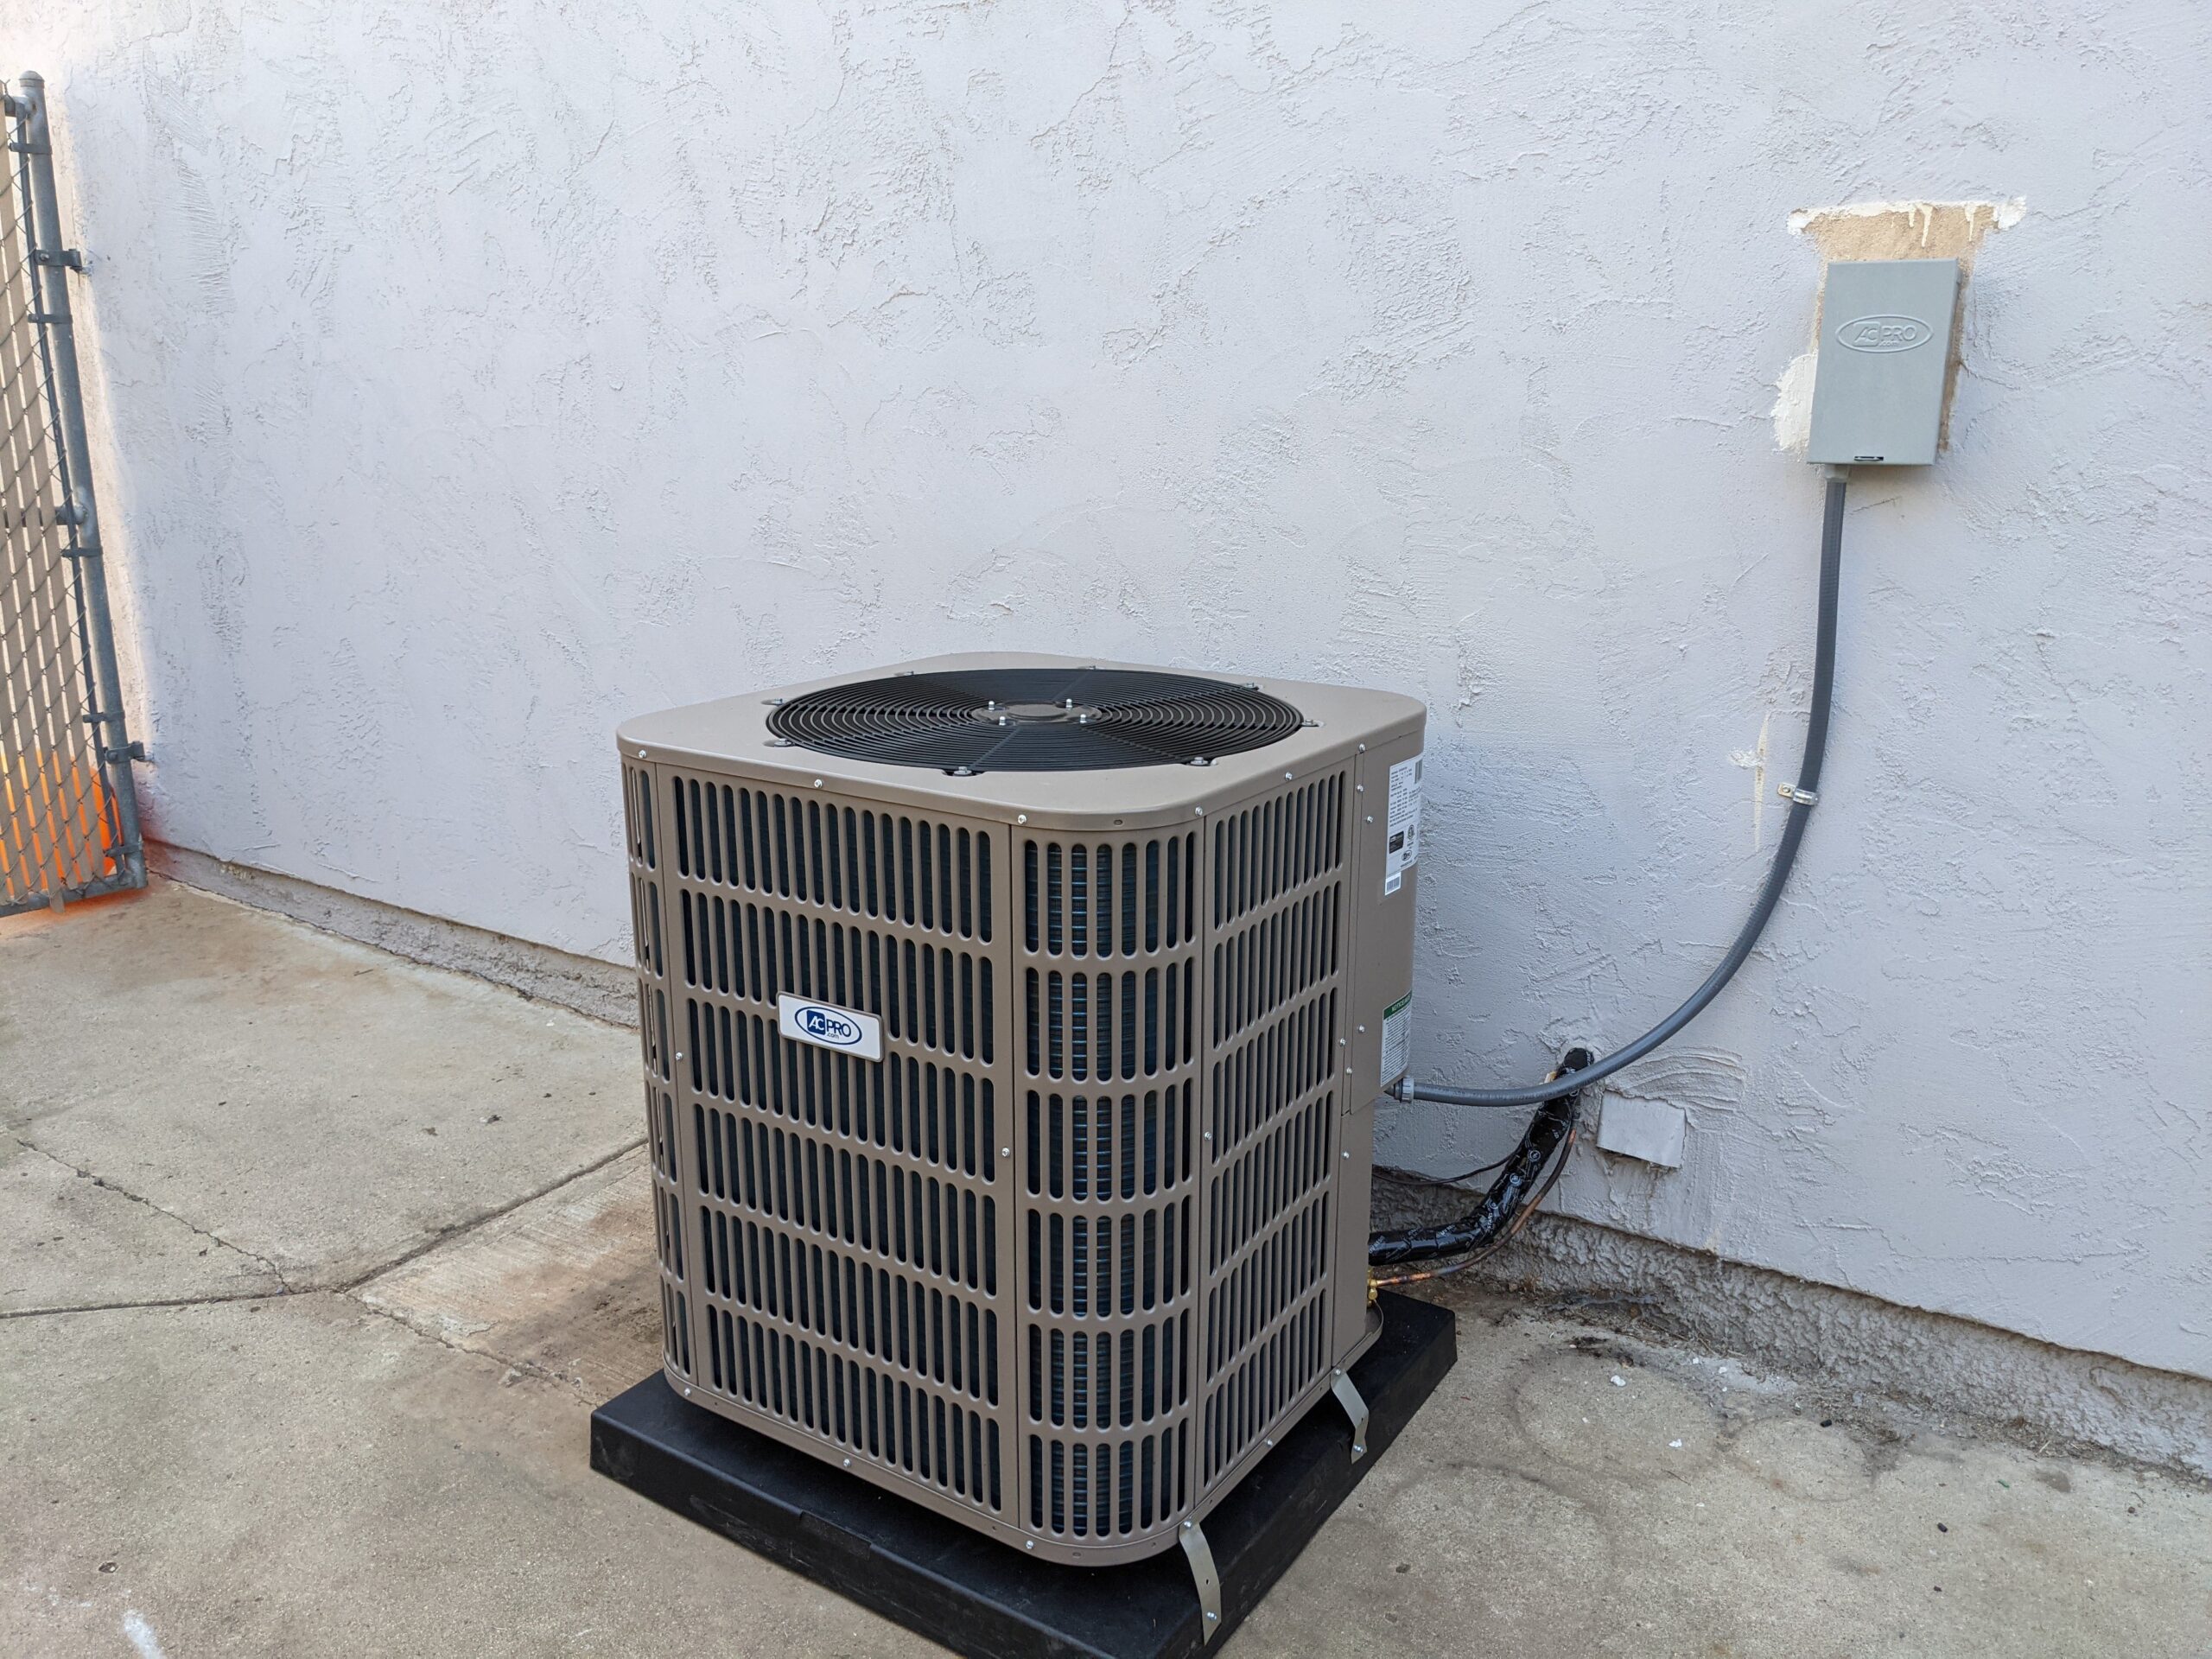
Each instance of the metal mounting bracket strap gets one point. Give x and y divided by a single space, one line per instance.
1355 1408
1200 1554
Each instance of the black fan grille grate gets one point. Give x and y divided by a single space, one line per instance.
1035 720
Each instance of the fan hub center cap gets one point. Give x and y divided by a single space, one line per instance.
1030 713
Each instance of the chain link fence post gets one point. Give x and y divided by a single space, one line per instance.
68 804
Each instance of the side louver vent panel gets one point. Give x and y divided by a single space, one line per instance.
1277 970
844 1221
890 867
1107 1140
660 1093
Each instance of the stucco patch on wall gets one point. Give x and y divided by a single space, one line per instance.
1906 229
1885 230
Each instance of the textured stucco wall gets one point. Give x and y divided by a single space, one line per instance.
476 374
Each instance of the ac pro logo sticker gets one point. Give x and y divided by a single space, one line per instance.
1883 334
845 1031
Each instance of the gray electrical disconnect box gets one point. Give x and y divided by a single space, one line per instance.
1885 340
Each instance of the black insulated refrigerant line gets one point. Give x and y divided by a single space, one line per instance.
1513 1196
1510 1196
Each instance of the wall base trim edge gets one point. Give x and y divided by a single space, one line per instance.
601 989
2047 1397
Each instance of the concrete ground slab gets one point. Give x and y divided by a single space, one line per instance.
301 1477
1569 1492
67 1240
320 1105
565 1287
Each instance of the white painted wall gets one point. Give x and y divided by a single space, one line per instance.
476 374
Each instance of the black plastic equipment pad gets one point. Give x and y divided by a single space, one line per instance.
976 1596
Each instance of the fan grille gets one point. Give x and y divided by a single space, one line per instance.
1035 720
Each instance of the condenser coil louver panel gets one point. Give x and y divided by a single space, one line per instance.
1057 1210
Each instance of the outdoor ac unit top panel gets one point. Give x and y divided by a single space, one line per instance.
1011 1134
738 736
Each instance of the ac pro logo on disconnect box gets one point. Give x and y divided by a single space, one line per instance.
846 1031
1883 334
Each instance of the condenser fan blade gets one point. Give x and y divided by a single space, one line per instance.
1035 720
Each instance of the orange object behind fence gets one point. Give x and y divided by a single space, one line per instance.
54 821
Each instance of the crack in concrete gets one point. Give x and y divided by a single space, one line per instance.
355 1291
459 1228
520 1367
349 1289
103 1182
157 1301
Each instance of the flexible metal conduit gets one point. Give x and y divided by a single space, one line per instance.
1514 1191
1801 796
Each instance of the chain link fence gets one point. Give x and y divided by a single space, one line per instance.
68 812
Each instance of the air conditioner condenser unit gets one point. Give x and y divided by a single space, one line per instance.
1013 1028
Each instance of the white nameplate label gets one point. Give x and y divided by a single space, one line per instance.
825 1024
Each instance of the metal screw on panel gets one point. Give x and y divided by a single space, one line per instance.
817 783
1311 725
1290 774
774 702
1362 1028
679 1053
641 754
779 742
1006 1151
849 1462
1030 1544
1370 818
1022 817
1359 789
1198 760
1340 1042
1363 748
